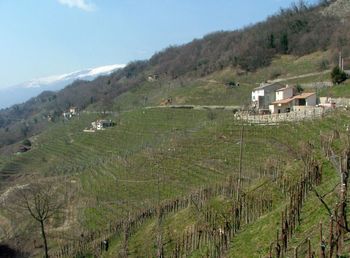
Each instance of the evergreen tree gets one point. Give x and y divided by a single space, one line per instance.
272 41
284 43
338 76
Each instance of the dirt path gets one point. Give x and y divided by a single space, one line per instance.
198 107
299 76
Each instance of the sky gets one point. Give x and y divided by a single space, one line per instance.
39 38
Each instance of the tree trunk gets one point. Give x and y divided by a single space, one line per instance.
44 238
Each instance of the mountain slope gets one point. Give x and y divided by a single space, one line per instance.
24 91
165 176
297 31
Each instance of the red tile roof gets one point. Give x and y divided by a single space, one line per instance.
304 95
283 101
301 96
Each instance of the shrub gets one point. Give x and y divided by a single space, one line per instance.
299 88
231 83
338 76
27 142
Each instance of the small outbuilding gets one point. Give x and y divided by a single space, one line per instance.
102 124
71 112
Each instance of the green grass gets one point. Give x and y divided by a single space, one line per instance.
325 77
286 66
337 91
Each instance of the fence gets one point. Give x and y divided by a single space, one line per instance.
246 208
92 242
217 236
291 216
273 119
330 236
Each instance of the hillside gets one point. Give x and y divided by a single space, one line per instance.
163 155
187 182
297 31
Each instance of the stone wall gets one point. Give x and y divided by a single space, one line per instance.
310 113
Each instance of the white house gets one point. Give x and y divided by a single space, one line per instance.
265 94
294 103
73 111
304 101
284 93
101 124
66 115
153 77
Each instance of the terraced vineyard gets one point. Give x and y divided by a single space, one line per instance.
255 239
154 155
188 148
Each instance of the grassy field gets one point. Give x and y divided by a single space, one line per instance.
337 91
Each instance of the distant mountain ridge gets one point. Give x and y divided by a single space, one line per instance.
24 91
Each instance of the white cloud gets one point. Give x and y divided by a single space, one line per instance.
81 4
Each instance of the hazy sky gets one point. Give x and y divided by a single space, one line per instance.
47 37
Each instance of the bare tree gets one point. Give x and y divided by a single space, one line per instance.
41 202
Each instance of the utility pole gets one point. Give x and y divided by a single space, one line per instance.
159 220
240 160
341 61
342 205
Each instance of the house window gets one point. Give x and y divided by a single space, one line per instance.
302 102
287 110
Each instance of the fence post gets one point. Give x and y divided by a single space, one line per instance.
309 248
322 243
331 238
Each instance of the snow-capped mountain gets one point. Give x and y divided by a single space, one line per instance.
24 91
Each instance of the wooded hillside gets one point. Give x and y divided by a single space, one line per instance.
298 30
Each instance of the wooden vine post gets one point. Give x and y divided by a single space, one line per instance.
322 243
159 220
240 162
